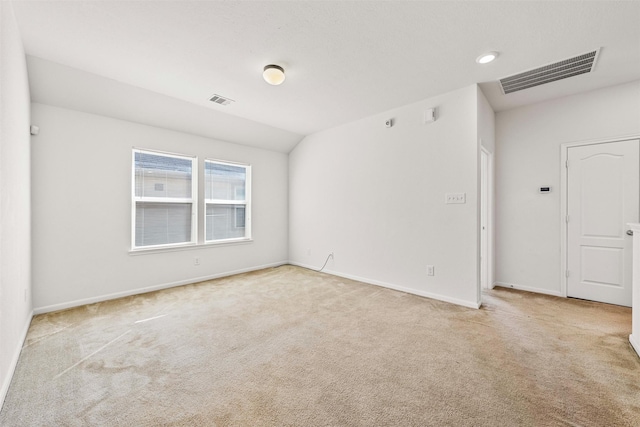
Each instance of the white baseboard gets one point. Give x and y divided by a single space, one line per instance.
529 289
4 387
438 297
635 343
101 298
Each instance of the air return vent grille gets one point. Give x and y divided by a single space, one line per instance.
218 99
575 66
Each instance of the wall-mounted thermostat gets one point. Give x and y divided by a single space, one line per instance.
544 190
388 123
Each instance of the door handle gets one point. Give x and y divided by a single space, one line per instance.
629 232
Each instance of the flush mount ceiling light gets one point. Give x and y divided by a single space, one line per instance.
485 58
273 74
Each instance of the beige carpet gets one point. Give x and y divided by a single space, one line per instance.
291 347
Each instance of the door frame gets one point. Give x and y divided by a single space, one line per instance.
564 199
487 193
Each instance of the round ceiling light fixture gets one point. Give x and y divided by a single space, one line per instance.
485 58
273 74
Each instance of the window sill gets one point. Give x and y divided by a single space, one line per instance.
148 251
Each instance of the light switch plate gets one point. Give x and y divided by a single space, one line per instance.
451 198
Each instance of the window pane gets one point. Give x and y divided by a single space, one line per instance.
162 176
224 182
162 223
225 222
239 212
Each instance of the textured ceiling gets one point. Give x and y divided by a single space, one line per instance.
344 60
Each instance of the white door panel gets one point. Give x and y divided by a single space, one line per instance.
602 197
602 265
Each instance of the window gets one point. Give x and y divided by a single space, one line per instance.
227 201
164 201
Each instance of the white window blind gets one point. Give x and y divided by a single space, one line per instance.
164 201
227 201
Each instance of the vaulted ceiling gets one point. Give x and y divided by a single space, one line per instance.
344 60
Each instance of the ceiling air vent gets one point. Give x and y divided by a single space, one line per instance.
575 66
220 100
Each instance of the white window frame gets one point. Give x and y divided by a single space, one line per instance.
246 203
193 200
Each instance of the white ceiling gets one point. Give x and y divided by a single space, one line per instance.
344 60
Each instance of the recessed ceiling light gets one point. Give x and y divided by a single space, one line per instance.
273 74
485 58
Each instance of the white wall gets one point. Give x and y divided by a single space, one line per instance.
486 123
15 240
528 157
375 197
81 166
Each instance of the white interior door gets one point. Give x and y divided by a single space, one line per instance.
602 197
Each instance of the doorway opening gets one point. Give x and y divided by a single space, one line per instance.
486 219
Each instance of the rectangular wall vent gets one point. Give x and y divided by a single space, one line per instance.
575 66
218 99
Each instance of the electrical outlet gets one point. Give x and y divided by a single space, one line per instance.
431 270
196 261
455 198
